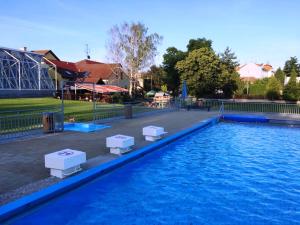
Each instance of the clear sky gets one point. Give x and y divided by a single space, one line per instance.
262 31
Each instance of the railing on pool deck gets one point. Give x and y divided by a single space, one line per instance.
20 123
267 107
111 111
16 124
107 111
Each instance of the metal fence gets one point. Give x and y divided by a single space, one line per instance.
114 111
264 107
15 124
108 111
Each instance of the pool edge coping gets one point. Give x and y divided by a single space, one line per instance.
14 208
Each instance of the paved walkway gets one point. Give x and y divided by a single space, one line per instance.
22 162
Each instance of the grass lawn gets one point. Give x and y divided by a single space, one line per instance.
31 109
81 110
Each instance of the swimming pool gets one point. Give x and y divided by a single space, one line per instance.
84 127
224 174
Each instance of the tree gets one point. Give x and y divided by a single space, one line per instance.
199 43
241 87
228 82
154 76
206 75
229 59
133 47
172 77
291 64
279 75
273 88
164 88
291 91
258 88
200 69
229 77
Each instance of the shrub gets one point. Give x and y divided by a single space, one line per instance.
258 88
273 88
291 90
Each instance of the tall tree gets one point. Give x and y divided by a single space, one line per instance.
229 77
279 75
291 91
200 69
291 64
229 59
199 43
133 47
241 87
155 77
172 77
273 88
228 81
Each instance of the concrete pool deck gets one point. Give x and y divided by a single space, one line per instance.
22 162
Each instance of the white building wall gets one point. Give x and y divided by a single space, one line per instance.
253 70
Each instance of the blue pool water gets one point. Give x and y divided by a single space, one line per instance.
224 174
84 127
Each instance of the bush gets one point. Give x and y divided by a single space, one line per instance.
291 90
258 88
273 89
120 98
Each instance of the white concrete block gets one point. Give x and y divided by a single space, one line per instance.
64 162
119 144
153 133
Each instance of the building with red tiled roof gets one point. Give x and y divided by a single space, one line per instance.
68 70
103 73
84 71
48 54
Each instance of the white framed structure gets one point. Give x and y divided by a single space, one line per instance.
23 70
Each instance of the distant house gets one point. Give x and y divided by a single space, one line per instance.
84 71
48 54
66 71
61 70
103 73
253 71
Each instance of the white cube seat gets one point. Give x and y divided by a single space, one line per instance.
153 133
119 143
64 162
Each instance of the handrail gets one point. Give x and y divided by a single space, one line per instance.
29 110
268 107
221 110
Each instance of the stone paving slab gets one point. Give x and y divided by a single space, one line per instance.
22 162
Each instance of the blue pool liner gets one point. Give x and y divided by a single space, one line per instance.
28 202
84 127
245 118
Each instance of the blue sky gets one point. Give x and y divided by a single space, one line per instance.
257 31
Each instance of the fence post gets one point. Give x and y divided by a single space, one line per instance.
128 111
62 106
94 104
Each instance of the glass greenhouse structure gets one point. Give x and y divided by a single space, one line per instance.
23 70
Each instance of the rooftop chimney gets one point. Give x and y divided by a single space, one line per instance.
24 49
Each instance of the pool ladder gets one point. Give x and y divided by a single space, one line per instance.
221 110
